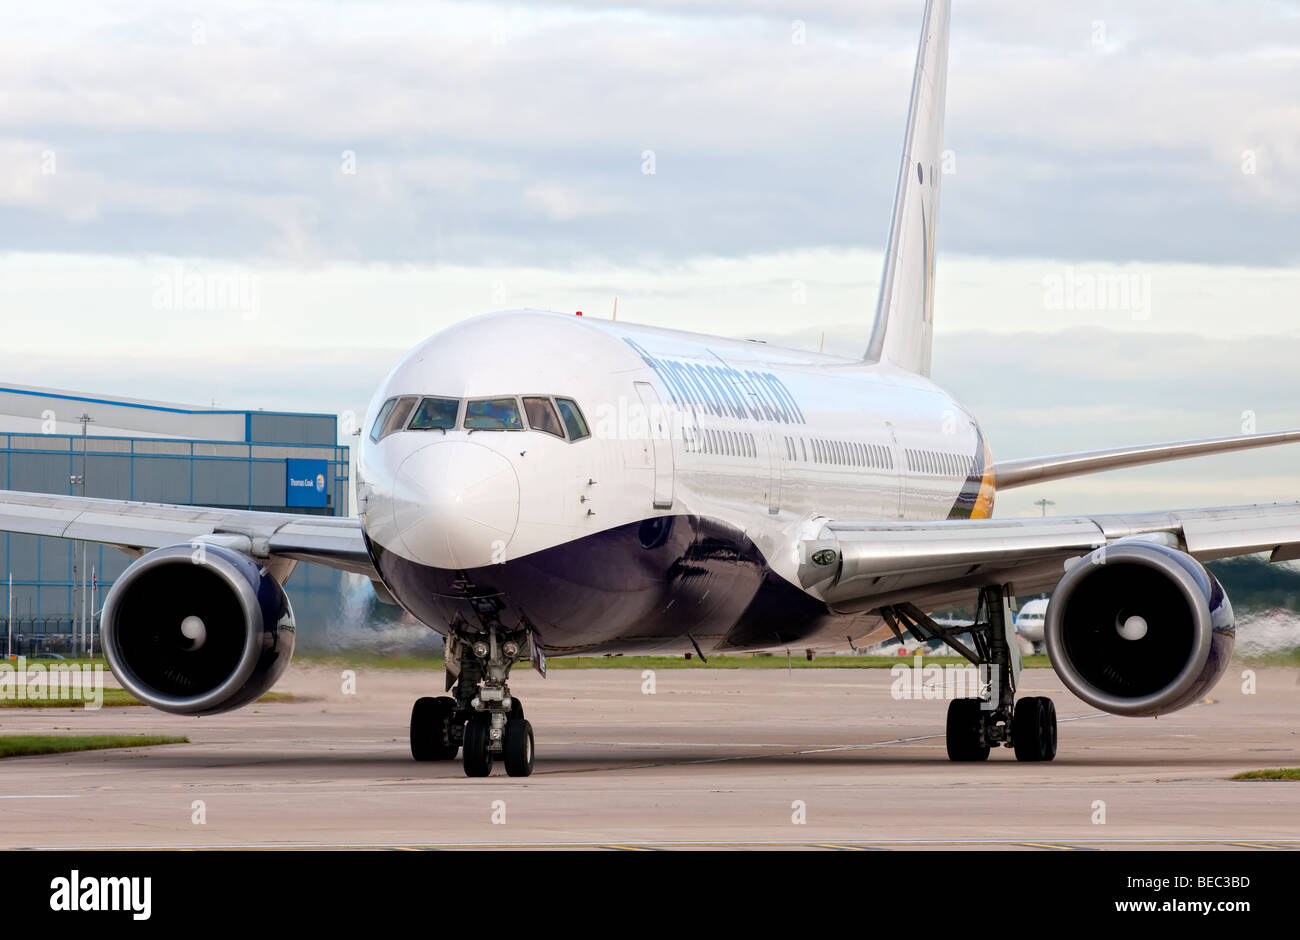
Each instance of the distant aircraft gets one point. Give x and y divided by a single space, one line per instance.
1030 620
533 485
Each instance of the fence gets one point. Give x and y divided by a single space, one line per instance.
42 637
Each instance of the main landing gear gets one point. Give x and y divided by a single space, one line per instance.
481 719
976 725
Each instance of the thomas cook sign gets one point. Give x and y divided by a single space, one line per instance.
306 483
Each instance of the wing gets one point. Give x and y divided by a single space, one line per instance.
1027 470
934 564
138 527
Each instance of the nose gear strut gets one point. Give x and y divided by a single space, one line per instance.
481 718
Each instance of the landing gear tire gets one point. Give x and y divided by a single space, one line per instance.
965 729
478 755
431 737
1033 729
518 747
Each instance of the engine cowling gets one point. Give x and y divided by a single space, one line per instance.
1139 628
197 629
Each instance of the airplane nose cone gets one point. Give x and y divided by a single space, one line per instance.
455 504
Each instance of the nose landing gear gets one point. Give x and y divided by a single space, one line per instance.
483 720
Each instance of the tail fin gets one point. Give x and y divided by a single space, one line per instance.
905 311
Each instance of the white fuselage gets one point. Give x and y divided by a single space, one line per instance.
744 438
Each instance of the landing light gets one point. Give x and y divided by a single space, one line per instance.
825 556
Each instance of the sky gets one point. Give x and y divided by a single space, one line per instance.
264 204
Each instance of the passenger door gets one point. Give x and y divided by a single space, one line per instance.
660 443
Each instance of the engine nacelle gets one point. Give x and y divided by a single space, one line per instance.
197 629
1138 628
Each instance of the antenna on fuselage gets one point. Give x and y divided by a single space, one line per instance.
615 316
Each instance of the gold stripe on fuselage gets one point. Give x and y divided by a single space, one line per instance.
988 485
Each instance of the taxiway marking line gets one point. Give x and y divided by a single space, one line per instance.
651 845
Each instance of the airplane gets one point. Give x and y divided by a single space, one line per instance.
1030 619
534 484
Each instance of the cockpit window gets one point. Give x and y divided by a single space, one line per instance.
573 419
384 412
392 417
435 414
493 414
542 416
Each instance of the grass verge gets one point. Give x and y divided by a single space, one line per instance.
113 698
1276 773
24 745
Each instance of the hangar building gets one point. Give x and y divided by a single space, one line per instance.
118 448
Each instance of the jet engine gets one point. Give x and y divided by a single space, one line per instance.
197 629
1138 628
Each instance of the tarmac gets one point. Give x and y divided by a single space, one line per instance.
714 758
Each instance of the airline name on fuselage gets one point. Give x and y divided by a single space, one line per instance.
724 390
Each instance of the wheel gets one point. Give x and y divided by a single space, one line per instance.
965 730
477 755
516 708
431 737
1033 729
519 747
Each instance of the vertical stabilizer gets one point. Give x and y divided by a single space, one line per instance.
905 310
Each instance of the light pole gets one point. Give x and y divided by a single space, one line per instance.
85 420
94 598
1044 502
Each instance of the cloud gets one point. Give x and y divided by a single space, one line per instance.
516 133
381 172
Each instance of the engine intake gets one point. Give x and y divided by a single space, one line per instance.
197 629
1138 628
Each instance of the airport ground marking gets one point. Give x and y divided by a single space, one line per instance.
877 844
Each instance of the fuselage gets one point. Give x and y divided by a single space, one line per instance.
621 488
